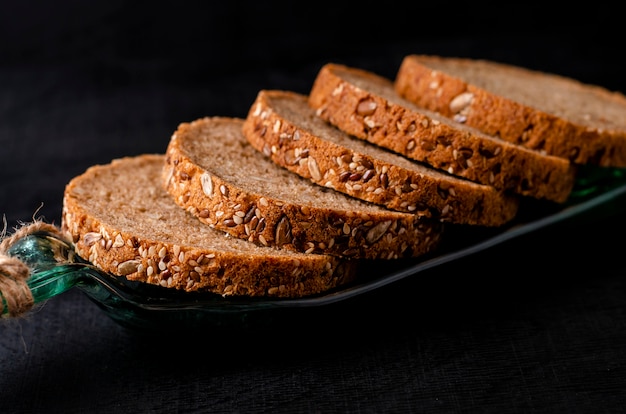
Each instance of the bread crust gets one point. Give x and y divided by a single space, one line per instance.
420 81
320 227
286 129
373 111
164 260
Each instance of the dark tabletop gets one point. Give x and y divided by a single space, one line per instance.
536 324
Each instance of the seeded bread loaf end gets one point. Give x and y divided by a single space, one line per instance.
366 105
546 112
285 128
123 222
213 172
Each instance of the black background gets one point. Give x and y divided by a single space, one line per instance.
535 325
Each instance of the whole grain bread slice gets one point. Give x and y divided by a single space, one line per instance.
285 128
213 172
366 105
543 111
122 221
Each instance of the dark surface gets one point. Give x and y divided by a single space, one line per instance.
535 325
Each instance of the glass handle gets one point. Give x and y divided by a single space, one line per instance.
53 269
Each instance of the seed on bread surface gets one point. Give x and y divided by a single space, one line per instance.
350 166
547 113
289 219
338 91
140 234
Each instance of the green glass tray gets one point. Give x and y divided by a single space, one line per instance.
55 269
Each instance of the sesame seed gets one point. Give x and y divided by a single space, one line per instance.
337 90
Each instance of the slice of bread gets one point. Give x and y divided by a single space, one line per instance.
366 105
550 113
285 128
213 172
123 222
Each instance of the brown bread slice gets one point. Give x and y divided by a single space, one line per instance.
366 105
284 127
123 222
547 112
213 172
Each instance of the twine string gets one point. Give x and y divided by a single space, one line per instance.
15 294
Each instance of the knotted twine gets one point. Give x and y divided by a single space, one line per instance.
14 273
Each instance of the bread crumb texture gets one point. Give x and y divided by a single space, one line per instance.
123 222
367 106
285 128
213 172
553 114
